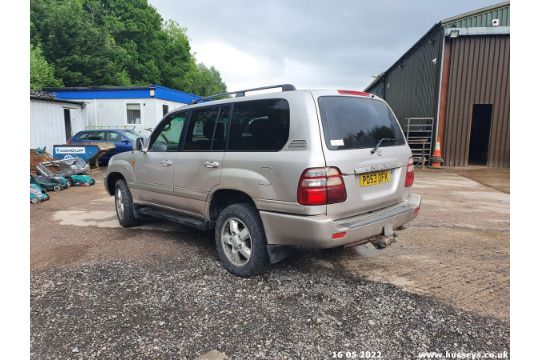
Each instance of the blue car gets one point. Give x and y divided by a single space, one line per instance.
122 139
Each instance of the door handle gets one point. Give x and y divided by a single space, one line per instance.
211 164
166 162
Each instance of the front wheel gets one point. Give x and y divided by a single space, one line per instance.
240 240
124 204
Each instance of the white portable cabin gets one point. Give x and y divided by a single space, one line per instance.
133 107
53 121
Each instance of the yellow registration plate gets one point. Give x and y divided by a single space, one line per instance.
375 178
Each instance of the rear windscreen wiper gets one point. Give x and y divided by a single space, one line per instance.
380 142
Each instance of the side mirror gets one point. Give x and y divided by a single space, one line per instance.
140 145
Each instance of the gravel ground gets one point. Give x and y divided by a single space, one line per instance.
181 308
100 291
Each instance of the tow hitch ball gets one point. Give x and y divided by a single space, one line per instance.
387 238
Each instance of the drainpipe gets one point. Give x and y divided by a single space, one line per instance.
440 88
443 92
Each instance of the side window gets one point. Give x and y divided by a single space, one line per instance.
222 126
84 136
114 137
133 113
201 129
95 136
167 137
260 125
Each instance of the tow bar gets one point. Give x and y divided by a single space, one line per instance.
387 238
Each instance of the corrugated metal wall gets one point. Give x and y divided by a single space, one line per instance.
377 88
47 126
479 74
411 87
483 19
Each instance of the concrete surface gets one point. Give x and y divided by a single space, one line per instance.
158 291
498 179
457 250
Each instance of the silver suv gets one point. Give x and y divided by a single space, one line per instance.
292 168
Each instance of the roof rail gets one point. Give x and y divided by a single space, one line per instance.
240 93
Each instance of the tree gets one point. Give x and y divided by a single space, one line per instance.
117 42
208 81
41 72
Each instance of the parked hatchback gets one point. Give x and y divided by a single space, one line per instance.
124 140
296 168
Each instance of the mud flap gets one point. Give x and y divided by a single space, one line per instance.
276 253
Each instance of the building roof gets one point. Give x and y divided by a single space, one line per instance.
44 96
476 18
123 92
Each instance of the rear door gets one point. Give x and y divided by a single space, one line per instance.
197 168
352 126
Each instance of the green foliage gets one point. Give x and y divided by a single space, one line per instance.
117 42
41 72
208 81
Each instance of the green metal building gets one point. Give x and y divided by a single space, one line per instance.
453 85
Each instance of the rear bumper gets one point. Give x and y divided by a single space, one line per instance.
316 231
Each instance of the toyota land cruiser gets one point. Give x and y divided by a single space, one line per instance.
313 169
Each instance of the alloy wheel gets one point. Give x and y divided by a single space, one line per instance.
236 241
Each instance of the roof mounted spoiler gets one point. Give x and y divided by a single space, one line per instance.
240 93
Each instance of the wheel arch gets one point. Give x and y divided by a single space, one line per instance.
222 198
119 169
112 178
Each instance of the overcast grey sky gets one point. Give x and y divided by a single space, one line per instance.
311 44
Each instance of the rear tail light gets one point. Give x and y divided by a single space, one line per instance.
68 141
321 186
409 177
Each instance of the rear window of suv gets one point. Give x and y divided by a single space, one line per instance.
358 123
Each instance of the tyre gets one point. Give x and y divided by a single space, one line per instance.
240 240
57 188
124 204
69 183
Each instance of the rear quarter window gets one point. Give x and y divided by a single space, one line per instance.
358 123
259 125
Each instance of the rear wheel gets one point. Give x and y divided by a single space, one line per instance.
240 240
124 204
57 188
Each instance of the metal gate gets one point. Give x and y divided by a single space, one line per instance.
419 134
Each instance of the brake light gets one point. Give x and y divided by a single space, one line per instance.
321 186
68 141
409 177
353 92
